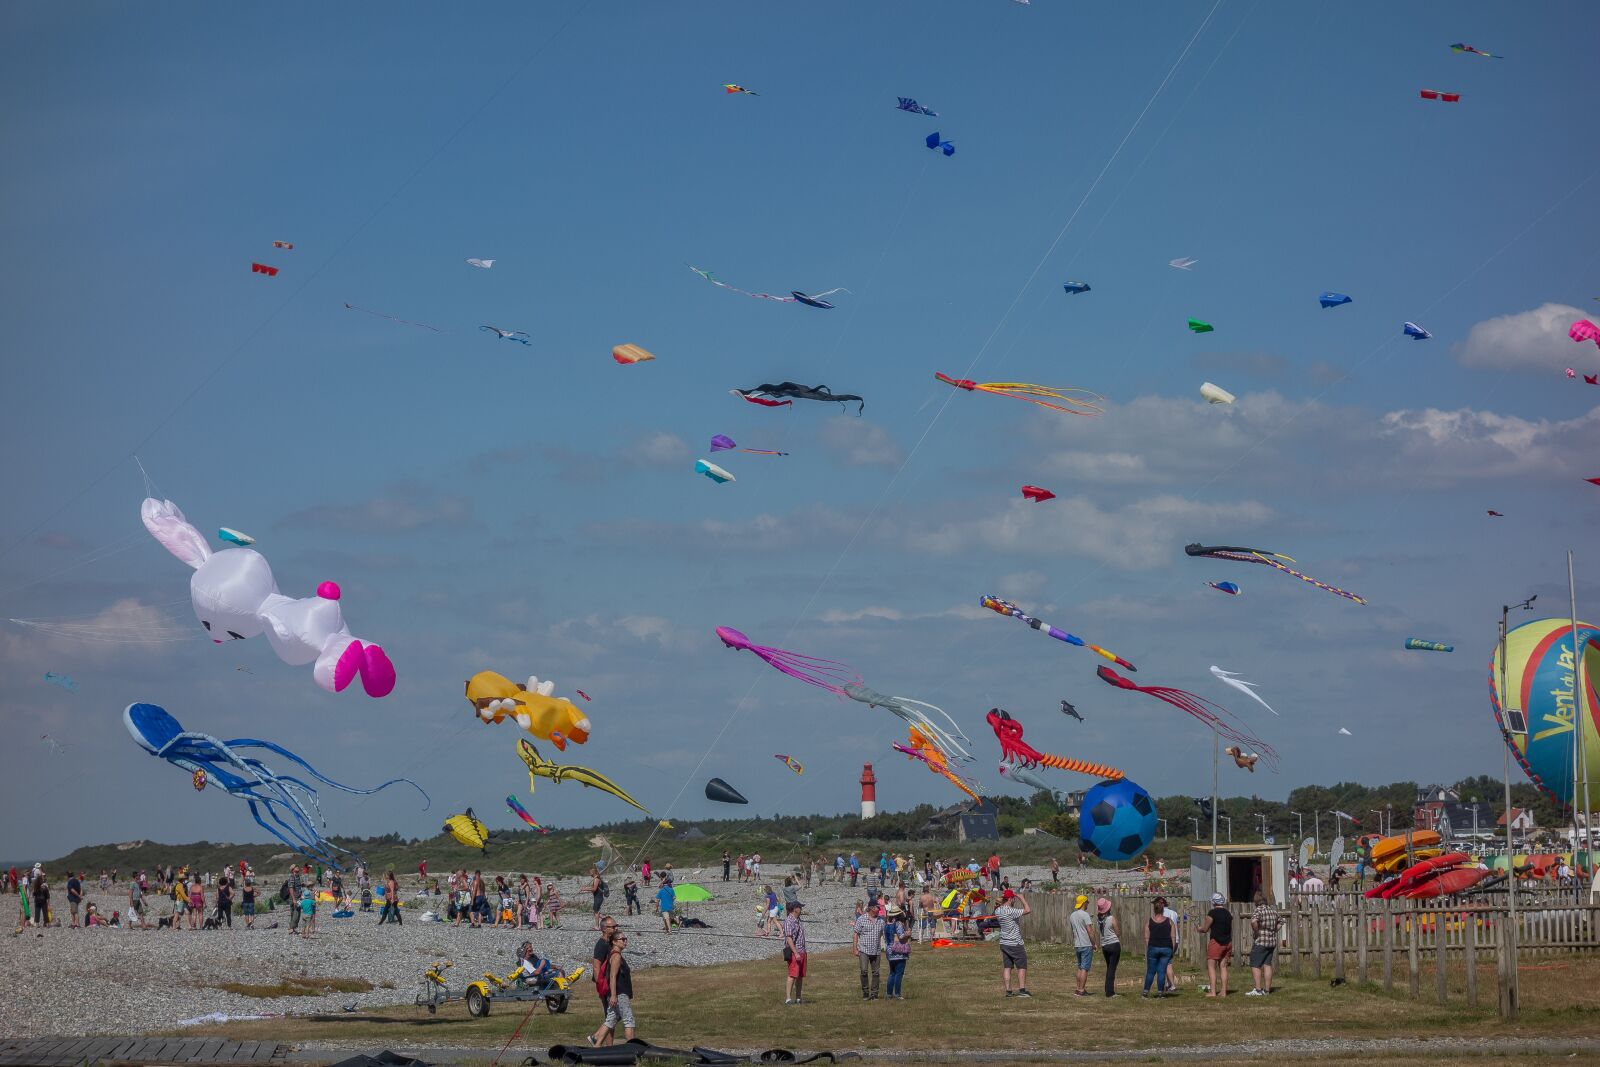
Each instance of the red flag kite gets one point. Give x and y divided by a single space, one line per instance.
1434 94
1036 494
262 268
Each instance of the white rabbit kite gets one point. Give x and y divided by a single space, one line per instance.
235 597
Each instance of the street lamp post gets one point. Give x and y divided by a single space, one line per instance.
1229 820
1379 814
1299 827
1511 994
1196 820
1163 823
1316 832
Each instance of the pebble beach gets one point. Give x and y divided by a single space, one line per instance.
120 980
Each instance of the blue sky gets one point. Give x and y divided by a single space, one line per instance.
533 510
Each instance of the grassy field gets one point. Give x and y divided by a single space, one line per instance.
954 1004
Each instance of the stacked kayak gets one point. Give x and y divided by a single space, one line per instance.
1391 854
1441 875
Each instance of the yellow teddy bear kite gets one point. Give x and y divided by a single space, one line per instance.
495 698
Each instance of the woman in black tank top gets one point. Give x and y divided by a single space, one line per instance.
1158 946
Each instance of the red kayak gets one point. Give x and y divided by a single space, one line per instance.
1447 883
1417 871
1378 891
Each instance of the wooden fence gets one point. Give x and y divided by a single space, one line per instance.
1349 937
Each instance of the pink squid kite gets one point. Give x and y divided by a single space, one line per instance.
822 673
1199 707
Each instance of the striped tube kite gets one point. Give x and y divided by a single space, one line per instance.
515 807
1005 607
1270 559
1008 731
626 354
1074 401
1208 712
1446 98
1584 330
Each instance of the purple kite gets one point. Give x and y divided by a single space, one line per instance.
823 673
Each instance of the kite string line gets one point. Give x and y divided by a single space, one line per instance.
233 353
1004 318
878 504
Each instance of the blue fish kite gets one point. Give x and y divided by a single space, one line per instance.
1416 333
1075 287
908 104
62 680
1231 588
1331 299
933 141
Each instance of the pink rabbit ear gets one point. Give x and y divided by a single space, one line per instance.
167 525
377 673
348 666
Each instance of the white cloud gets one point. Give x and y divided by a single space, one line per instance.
399 509
861 444
1533 340
1022 583
660 450
838 615
1138 536
1443 447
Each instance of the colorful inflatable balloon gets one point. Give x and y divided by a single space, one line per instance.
1541 682
1118 821
496 698
235 597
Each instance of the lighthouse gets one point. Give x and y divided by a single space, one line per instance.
869 792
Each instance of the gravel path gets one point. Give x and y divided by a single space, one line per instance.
128 981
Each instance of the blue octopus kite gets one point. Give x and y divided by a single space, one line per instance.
284 798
